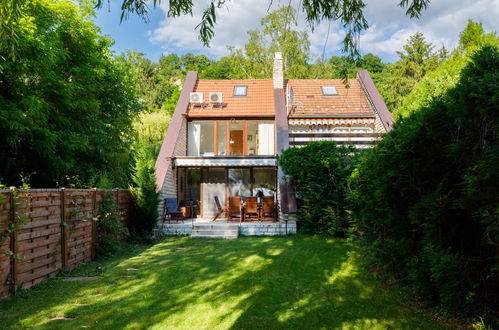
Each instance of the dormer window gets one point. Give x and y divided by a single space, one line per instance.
240 91
329 91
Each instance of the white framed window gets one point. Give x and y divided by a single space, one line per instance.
240 91
329 91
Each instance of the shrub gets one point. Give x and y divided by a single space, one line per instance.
146 198
150 128
320 172
110 230
426 197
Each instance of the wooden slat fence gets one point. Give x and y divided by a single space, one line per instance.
59 232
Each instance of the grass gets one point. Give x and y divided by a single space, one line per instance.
254 282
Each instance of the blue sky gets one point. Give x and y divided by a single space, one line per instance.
388 32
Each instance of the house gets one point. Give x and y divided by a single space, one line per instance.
225 134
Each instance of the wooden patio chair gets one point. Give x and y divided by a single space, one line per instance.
234 210
220 209
171 211
251 209
269 210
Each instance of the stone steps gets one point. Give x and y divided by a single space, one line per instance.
226 231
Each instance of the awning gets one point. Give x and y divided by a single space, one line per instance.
224 161
327 121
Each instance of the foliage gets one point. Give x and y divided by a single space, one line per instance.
426 198
349 12
20 200
110 230
319 172
66 102
437 82
276 35
150 129
397 80
243 281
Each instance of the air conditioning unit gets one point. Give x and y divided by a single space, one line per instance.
196 97
216 97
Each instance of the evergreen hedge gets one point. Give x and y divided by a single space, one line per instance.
319 172
426 199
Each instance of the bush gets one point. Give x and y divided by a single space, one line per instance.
146 198
110 230
319 173
426 197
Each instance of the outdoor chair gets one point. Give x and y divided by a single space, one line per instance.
220 209
269 210
251 209
234 210
171 211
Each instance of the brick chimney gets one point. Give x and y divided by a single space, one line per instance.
277 71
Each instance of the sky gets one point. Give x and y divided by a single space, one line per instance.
389 27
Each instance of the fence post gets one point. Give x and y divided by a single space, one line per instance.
94 224
64 227
13 243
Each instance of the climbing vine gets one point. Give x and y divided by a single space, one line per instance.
20 206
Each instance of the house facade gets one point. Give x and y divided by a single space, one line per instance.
225 134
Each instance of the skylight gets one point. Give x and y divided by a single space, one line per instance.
240 91
329 91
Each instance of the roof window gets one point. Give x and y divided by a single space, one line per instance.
329 91
240 91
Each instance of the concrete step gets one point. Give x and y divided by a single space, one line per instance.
215 227
212 232
215 235
215 231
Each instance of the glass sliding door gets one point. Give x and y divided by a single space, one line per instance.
264 180
222 138
201 138
239 182
265 138
189 187
213 185
236 142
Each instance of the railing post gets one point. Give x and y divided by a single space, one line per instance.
13 243
64 226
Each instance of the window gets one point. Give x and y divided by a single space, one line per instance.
201 138
329 91
240 91
230 138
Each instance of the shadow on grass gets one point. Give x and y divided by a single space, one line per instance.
283 282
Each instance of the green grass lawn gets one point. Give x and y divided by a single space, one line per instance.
253 282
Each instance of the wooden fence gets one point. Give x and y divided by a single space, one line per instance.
59 232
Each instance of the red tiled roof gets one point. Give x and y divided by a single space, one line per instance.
309 101
258 102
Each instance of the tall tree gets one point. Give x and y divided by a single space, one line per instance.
276 35
418 57
66 105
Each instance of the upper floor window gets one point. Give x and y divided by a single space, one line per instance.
329 91
240 91
231 137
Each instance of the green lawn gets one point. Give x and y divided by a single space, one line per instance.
284 282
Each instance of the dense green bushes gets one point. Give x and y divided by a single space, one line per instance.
66 104
320 172
426 199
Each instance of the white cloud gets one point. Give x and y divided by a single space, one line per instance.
389 26
440 24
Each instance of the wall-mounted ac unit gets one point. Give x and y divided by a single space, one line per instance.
216 98
196 97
